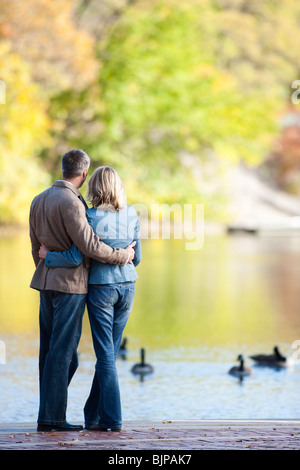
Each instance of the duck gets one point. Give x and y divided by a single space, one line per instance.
123 349
241 370
276 359
142 368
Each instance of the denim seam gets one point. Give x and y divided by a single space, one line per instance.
73 345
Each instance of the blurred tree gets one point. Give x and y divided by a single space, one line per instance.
164 95
256 42
161 89
74 110
97 16
44 34
250 48
282 166
43 55
258 45
24 130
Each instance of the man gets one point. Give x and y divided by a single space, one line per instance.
57 220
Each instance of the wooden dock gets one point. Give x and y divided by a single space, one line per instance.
160 435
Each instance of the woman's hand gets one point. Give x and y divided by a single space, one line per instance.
43 251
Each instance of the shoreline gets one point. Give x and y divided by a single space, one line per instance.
210 228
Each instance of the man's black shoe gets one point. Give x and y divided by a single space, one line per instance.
63 427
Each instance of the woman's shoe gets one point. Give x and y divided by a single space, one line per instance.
95 427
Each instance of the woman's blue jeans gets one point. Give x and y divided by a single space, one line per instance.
109 307
60 330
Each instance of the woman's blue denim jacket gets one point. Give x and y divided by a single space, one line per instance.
115 228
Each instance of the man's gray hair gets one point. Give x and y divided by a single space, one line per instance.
74 163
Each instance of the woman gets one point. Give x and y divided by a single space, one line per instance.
111 292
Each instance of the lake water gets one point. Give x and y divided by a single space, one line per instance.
194 312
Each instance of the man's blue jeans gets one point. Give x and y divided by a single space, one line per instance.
60 330
109 307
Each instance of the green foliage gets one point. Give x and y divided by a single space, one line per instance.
163 91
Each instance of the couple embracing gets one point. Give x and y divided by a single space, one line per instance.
83 257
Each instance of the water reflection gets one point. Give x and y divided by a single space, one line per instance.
194 312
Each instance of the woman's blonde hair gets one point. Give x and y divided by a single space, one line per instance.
106 188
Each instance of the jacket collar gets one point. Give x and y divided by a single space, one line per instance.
67 184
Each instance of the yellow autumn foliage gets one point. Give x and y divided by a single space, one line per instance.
45 35
24 130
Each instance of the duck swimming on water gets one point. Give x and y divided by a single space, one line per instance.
276 359
142 368
241 370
